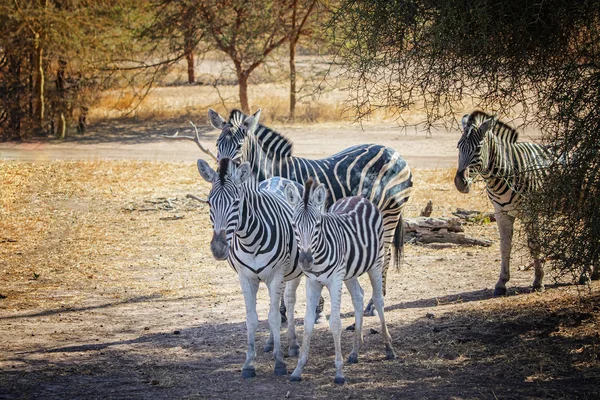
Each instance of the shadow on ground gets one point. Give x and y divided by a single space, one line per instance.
134 132
498 351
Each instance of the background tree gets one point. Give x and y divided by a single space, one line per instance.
300 20
536 60
54 54
248 31
176 30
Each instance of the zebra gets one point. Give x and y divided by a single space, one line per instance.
337 246
511 170
252 230
375 172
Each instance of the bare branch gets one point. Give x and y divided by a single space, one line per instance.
196 139
200 199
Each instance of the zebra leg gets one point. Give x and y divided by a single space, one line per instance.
357 294
505 227
269 345
375 277
274 286
335 324
282 309
249 289
320 315
290 299
534 250
313 292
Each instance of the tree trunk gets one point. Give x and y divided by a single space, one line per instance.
243 87
189 56
39 102
293 78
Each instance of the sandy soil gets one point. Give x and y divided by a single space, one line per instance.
109 290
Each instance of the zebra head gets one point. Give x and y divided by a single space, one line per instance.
224 201
233 132
307 217
470 149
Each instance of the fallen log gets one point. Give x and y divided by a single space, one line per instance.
439 230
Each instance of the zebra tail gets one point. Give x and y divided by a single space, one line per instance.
398 244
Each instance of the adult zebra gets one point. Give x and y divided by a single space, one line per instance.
510 170
252 230
375 172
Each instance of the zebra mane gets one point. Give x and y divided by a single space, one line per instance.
223 168
265 137
504 132
308 186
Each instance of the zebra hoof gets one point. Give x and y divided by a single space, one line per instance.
268 347
248 373
499 292
293 351
539 288
339 381
390 355
370 310
283 319
320 319
295 379
280 369
351 328
353 359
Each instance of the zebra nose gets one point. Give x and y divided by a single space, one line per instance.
219 246
460 182
305 259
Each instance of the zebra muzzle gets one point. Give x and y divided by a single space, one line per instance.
219 246
305 259
461 182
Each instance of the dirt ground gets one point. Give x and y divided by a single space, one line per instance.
108 290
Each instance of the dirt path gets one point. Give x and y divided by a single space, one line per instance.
127 141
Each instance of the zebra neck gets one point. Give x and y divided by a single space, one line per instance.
499 159
267 151
248 206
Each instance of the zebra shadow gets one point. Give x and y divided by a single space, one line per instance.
463 297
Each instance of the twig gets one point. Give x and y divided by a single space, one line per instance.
201 200
196 139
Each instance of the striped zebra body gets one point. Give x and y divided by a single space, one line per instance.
252 230
338 246
375 172
511 170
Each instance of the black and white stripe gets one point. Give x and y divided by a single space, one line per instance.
510 169
252 230
338 246
375 172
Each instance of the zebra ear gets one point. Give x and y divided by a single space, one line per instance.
319 195
291 194
465 119
215 119
206 172
243 173
251 122
488 124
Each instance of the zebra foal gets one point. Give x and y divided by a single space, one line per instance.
337 246
252 230
510 170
